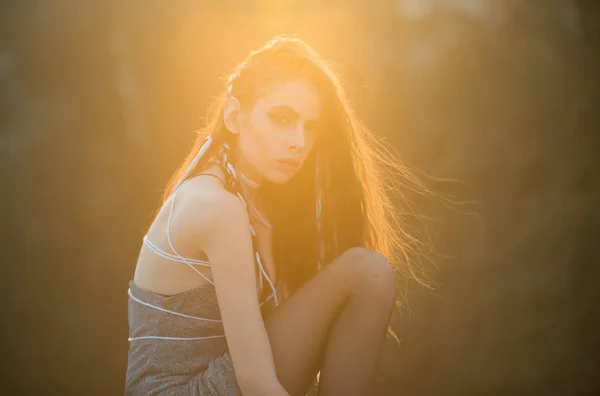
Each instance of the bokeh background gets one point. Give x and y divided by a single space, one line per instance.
98 104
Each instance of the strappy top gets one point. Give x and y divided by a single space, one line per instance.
192 263
175 339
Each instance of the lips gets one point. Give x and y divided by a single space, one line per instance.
288 163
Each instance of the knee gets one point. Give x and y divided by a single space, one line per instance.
370 271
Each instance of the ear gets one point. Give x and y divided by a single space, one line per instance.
231 114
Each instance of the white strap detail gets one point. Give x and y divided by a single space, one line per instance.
170 256
267 278
171 243
173 338
231 169
169 311
257 215
241 199
178 314
190 261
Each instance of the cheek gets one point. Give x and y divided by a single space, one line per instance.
262 135
259 124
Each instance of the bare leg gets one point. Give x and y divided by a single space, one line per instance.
336 322
357 334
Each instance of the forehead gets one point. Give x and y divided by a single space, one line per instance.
299 95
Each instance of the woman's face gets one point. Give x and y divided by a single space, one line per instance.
282 122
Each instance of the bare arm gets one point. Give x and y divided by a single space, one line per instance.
219 224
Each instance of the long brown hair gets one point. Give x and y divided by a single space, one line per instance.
368 190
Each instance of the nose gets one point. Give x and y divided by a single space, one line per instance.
298 138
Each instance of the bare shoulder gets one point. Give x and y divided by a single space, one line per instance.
204 205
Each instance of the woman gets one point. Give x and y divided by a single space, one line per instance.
267 261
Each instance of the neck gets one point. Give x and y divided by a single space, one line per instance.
247 174
250 181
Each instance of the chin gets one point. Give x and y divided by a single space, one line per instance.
280 177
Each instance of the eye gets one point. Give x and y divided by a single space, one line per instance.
311 130
280 119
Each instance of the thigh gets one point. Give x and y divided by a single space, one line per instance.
298 327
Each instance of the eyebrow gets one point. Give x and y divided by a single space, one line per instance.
289 109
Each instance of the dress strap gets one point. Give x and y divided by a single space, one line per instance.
170 256
176 256
210 174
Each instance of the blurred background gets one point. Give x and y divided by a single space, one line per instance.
98 104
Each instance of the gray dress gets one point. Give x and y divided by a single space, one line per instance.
173 349
177 344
